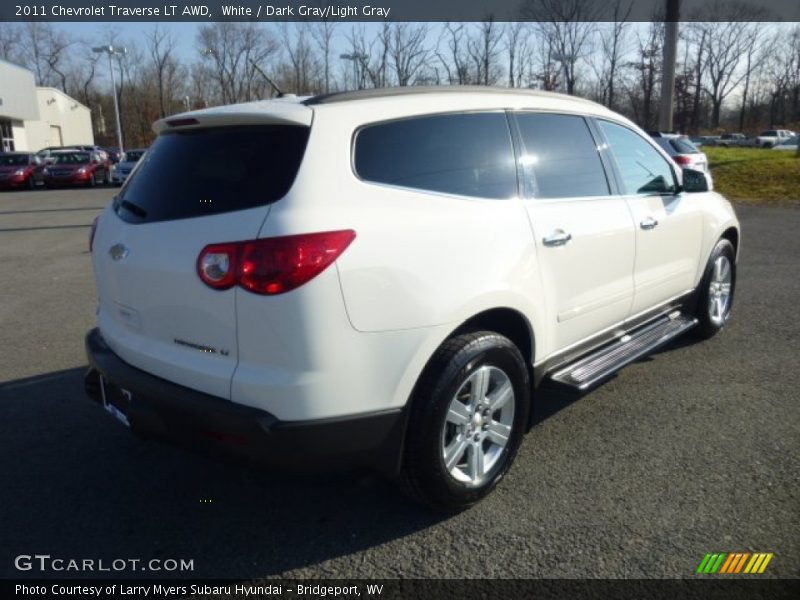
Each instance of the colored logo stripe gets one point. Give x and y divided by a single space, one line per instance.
711 563
758 563
734 563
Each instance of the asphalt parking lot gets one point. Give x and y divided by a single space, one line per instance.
693 450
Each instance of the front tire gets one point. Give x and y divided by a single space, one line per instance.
717 287
468 416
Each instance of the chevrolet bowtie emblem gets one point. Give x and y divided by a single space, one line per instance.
118 251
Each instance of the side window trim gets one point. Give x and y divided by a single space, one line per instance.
519 150
613 161
609 164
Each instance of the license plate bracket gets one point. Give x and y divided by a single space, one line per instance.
116 400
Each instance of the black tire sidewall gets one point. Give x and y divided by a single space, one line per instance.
707 328
488 349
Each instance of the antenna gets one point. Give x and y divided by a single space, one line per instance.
269 81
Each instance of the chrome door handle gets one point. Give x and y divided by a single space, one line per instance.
558 238
649 223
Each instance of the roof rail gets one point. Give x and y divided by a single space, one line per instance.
389 92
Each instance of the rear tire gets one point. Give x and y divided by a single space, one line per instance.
468 415
717 287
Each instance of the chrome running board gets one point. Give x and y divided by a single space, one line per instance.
609 359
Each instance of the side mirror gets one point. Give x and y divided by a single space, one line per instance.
695 181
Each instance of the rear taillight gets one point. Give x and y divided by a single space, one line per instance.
683 160
271 265
92 231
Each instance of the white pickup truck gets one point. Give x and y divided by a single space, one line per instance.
771 137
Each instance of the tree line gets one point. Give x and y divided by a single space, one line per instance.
731 75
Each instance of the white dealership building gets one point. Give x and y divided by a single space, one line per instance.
32 118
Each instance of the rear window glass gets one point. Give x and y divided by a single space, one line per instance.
75 158
202 172
464 154
683 146
132 155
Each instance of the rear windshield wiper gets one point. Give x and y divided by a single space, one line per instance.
134 209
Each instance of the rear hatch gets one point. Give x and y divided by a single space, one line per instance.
207 179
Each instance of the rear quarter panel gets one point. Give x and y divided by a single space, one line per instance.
419 259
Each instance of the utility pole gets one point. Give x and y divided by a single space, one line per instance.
112 51
668 65
564 59
355 57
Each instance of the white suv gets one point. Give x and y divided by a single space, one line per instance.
380 278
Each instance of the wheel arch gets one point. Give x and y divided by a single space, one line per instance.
732 235
507 322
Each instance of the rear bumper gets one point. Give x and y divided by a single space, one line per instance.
169 412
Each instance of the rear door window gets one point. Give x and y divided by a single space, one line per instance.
467 154
194 173
560 157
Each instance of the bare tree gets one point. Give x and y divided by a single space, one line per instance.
568 25
231 48
202 89
304 65
783 78
455 59
755 55
727 44
161 47
698 36
323 32
483 50
793 70
81 77
371 58
647 68
10 42
46 48
517 36
612 45
546 69
407 50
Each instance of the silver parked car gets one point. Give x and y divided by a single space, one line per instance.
128 160
681 150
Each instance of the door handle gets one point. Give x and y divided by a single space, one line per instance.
649 223
558 238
